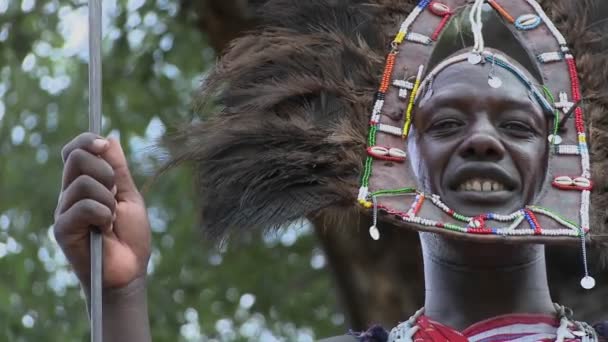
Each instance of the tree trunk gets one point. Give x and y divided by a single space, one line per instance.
382 281
379 282
222 20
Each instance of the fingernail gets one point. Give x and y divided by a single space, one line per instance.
114 217
114 190
100 143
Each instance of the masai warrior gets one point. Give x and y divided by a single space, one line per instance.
484 134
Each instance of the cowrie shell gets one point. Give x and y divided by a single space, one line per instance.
555 139
582 182
439 8
395 152
563 180
379 150
527 21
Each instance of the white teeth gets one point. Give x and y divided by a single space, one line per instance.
481 185
476 185
497 186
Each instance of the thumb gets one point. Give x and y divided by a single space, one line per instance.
125 187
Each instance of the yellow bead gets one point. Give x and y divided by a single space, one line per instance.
582 139
410 106
368 204
400 37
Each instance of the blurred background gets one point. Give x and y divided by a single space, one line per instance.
301 283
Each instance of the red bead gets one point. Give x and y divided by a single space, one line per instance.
576 95
441 26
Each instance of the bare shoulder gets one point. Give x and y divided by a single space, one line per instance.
343 338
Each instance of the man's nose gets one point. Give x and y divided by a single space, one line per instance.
482 144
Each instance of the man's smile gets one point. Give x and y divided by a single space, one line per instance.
477 187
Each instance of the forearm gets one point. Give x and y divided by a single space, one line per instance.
125 313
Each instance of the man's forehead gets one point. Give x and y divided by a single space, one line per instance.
464 72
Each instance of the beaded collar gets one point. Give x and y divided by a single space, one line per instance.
561 212
420 328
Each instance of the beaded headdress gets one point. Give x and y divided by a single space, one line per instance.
388 182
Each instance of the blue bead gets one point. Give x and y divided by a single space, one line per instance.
423 3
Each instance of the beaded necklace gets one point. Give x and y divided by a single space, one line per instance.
568 329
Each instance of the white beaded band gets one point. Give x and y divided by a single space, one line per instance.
567 149
418 38
549 57
390 129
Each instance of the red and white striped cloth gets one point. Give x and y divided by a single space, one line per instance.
513 328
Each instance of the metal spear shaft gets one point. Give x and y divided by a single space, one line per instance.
95 127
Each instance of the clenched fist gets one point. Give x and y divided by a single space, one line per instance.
98 192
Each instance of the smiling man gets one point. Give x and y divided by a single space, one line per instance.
479 141
489 162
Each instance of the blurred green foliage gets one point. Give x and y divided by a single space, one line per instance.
261 288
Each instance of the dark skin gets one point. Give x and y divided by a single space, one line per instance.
465 132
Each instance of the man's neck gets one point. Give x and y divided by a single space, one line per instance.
469 282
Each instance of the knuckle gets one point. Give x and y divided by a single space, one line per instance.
83 183
111 172
84 139
75 157
88 207
64 153
61 207
94 210
107 173
57 212
78 142
59 228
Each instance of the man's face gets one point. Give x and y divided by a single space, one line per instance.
481 149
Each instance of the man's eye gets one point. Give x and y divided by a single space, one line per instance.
445 125
517 127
